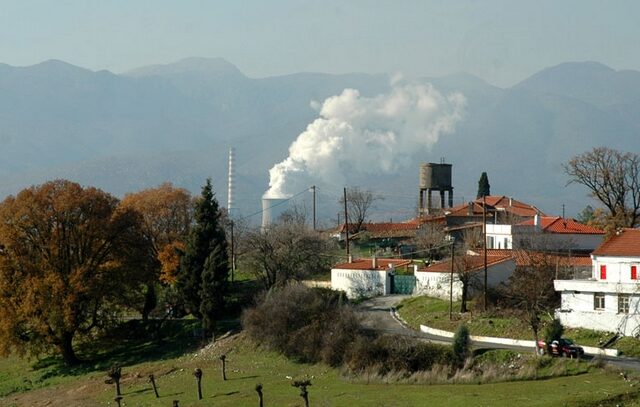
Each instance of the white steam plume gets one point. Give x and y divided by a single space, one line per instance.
365 135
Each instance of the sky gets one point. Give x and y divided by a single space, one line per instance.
502 42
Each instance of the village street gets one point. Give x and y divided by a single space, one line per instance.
378 314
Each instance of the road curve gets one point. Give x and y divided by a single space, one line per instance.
378 314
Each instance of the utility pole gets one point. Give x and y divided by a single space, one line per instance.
484 245
453 244
233 253
313 189
346 222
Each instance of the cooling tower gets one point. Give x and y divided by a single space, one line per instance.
272 208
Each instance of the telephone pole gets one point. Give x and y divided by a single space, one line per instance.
484 245
346 222
313 190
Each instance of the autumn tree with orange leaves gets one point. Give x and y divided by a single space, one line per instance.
67 255
167 213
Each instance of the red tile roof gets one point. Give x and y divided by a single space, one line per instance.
470 263
557 224
525 258
624 243
494 203
367 264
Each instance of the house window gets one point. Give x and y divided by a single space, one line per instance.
598 301
506 246
490 241
634 272
623 304
603 272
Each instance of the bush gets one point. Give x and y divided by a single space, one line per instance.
553 331
461 345
394 353
305 324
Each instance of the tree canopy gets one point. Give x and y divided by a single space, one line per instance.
285 252
484 189
167 213
359 202
204 266
67 255
613 178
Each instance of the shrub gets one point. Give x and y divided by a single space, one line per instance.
553 331
305 324
461 345
394 353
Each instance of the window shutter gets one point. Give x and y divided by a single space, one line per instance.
634 273
603 272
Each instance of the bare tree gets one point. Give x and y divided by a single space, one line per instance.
464 266
359 202
285 252
613 177
530 289
431 238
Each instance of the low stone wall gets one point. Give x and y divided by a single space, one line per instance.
589 350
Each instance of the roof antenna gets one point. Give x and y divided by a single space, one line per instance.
562 211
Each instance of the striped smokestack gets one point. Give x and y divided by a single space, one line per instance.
231 191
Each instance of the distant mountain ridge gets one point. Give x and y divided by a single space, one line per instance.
175 122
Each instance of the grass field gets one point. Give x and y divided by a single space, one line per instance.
248 365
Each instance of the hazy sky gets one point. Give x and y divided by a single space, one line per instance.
500 41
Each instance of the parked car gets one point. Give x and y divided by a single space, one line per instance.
561 347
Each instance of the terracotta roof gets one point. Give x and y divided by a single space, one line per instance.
624 243
382 227
471 263
367 264
526 258
510 205
557 224
494 203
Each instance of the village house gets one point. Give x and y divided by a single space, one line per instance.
367 277
554 232
435 280
609 300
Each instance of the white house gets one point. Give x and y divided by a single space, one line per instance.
610 299
435 280
365 277
560 233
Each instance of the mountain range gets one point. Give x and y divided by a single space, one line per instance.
176 122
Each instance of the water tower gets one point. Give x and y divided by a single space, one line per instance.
434 177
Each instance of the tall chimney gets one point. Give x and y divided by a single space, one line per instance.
374 262
231 191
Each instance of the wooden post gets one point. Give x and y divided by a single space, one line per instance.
153 384
453 245
223 359
198 374
259 391
313 189
346 222
115 373
484 245
233 253
118 399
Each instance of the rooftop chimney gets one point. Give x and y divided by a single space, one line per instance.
374 262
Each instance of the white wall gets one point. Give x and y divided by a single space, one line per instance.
361 283
438 284
618 268
499 237
577 306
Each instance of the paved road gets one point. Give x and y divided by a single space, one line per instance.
378 314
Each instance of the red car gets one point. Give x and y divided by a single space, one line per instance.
561 347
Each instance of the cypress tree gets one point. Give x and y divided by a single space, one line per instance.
204 267
484 189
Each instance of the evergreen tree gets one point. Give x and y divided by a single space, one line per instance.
484 189
204 267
